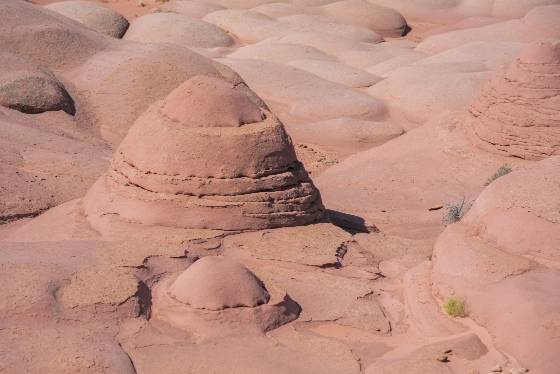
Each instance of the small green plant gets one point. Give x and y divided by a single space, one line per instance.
503 170
455 308
456 211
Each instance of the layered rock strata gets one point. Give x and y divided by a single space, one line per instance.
208 156
93 15
518 113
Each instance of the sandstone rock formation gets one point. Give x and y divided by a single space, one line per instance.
120 84
31 89
502 259
518 113
538 24
336 72
177 29
216 283
385 21
46 38
217 296
344 136
42 166
444 10
303 96
203 245
93 15
206 157
192 8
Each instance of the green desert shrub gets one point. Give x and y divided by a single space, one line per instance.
503 170
454 307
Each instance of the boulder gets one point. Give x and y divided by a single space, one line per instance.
177 29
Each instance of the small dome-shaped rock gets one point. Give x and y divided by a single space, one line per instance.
217 283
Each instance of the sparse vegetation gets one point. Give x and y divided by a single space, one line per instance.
455 308
503 170
456 211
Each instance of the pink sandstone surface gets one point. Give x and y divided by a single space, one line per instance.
265 186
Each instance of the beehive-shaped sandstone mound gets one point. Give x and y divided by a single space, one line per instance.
93 15
217 283
518 113
208 156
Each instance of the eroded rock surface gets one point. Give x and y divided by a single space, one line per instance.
93 15
30 88
518 113
488 262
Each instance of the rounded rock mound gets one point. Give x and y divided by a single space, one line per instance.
216 283
192 8
217 296
503 255
92 15
178 29
518 113
385 21
30 89
207 157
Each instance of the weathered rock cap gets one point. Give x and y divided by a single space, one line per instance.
217 283
208 156
189 104
31 89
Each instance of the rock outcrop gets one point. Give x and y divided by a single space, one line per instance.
31 89
518 113
217 283
217 296
192 8
385 21
92 15
502 259
46 38
208 156
178 29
